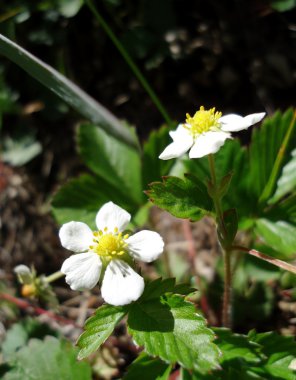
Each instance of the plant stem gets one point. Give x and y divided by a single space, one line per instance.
226 311
128 59
279 263
53 277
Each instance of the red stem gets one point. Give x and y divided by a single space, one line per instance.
37 310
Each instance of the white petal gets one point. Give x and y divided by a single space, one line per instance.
75 236
182 141
236 123
82 271
208 143
121 284
181 134
112 216
145 245
254 118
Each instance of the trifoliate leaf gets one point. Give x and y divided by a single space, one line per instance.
171 328
98 328
184 198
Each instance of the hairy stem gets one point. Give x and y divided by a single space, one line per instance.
226 311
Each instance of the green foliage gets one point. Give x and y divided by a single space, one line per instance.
66 90
112 160
153 167
50 359
265 356
120 176
184 198
19 151
20 333
230 227
98 328
147 368
280 235
171 328
81 198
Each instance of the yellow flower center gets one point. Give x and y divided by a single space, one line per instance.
109 244
202 121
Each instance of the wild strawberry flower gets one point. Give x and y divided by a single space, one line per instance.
108 248
206 132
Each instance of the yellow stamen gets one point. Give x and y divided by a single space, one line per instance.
109 245
203 121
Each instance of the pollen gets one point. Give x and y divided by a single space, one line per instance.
202 121
109 245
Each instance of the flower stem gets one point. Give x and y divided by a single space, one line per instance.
53 277
226 311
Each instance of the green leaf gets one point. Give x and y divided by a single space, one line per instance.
147 368
19 334
98 328
67 90
280 235
234 345
232 159
69 8
81 198
184 198
230 222
270 150
117 163
153 167
19 151
172 329
50 359
283 5
280 351
287 181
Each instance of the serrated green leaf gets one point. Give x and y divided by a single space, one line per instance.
184 198
279 352
98 328
153 167
280 235
147 368
270 150
19 334
66 90
287 181
237 345
231 158
171 328
50 359
81 198
112 160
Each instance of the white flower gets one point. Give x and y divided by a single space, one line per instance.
206 132
108 248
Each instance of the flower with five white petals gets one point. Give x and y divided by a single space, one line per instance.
108 248
206 132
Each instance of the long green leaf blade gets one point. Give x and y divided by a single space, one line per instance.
66 90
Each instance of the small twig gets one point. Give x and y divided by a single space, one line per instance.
279 263
37 310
